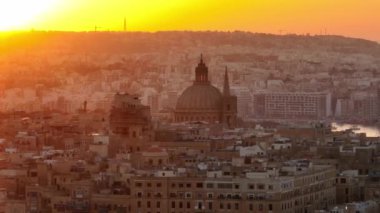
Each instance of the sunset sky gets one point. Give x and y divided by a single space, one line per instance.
354 18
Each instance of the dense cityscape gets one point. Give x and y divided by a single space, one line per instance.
183 122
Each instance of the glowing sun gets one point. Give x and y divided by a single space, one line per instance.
19 13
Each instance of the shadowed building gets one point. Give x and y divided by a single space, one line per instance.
130 124
204 102
129 117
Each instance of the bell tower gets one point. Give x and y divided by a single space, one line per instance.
229 117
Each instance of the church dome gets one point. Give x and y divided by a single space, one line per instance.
200 97
204 102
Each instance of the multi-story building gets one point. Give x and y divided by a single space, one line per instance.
130 124
129 117
365 106
299 186
348 187
244 101
294 106
78 197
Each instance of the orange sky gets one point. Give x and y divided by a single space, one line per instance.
355 18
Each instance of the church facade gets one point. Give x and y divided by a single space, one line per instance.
204 102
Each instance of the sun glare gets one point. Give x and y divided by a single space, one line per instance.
16 14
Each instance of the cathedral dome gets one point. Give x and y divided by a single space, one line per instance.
204 102
200 97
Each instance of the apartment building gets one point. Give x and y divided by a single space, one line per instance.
293 106
299 186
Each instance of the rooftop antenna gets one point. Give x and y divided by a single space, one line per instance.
125 24
96 28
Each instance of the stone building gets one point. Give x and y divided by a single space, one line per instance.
130 124
301 188
129 117
204 102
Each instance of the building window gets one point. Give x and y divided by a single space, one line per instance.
200 206
261 186
250 207
210 205
199 185
270 207
225 186
148 204
173 204
210 185
158 204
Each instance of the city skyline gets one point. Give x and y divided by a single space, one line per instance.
348 18
152 106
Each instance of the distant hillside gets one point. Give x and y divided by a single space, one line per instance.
135 42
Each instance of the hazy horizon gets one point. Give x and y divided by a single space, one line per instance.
194 31
350 18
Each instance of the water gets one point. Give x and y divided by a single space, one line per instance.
371 131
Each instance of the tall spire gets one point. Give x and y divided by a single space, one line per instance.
226 87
